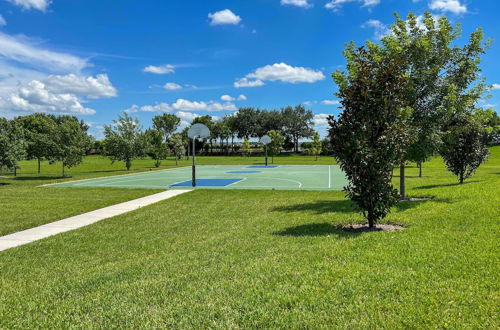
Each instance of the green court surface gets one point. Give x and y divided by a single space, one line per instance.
282 177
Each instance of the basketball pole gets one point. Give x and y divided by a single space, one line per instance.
194 165
266 154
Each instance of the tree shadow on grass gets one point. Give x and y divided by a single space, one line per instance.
314 229
4 184
432 186
319 207
40 178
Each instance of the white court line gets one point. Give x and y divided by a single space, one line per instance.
61 226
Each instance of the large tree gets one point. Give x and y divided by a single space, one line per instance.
177 146
167 124
297 123
431 63
124 140
156 147
40 131
12 144
71 142
247 121
371 133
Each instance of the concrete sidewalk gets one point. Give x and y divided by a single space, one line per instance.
61 226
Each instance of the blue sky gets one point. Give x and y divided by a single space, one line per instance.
96 59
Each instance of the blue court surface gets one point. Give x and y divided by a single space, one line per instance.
207 183
282 177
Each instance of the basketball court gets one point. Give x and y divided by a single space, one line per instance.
279 177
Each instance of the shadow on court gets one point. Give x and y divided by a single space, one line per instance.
315 229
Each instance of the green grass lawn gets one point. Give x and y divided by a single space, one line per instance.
265 259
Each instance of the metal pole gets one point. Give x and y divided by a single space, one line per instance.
266 155
194 166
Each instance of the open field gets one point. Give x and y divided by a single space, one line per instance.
252 258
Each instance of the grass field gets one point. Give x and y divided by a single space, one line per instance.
251 258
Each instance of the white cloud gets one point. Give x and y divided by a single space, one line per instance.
330 102
224 17
245 82
453 6
185 105
23 50
188 116
172 86
495 87
298 3
92 87
380 29
32 4
37 98
3 22
160 69
321 119
242 97
337 4
280 72
227 98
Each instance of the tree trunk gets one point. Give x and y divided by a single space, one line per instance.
15 171
38 166
232 145
461 177
419 169
371 223
63 169
402 184
128 164
157 163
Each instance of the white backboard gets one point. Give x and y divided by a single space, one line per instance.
265 140
198 131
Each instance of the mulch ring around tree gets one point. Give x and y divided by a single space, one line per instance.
363 228
418 199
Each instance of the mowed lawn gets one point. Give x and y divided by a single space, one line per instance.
269 259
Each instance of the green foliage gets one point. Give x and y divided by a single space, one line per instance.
167 124
317 145
12 144
297 123
156 148
40 130
177 145
246 149
71 142
124 140
276 145
371 133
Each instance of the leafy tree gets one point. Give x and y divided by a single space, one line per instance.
431 63
297 123
276 145
124 140
230 121
156 148
247 122
317 145
464 138
246 147
427 145
40 130
326 147
12 144
177 145
167 124
71 142
268 120
370 134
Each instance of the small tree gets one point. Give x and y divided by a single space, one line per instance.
276 145
177 145
370 134
71 142
246 147
317 145
156 148
12 144
124 140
